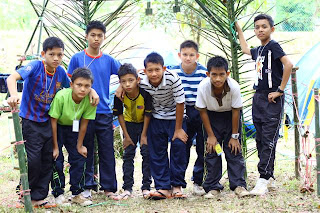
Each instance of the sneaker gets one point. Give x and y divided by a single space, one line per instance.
212 194
272 185
79 199
240 191
198 190
61 201
261 187
86 193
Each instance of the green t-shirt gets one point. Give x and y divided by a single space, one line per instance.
66 110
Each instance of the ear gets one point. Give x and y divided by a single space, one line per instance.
164 68
145 71
43 54
198 55
208 74
71 84
87 37
179 54
138 80
228 73
272 29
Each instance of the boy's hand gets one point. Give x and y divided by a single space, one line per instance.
120 93
127 142
234 145
180 134
273 95
94 97
211 144
55 154
143 140
83 151
237 26
13 101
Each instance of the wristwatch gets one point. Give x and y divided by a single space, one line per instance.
235 136
280 90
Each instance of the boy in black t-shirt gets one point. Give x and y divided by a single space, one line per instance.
134 121
273 69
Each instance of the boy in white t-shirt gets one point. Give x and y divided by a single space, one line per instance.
219 102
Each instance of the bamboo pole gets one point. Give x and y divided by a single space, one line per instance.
296 122
22 162
317 138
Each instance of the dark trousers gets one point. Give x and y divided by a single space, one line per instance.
166 174
194 128
68 139
267 121
221 124
38 137
135 130
102 127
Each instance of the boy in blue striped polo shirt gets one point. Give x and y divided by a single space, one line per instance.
191 74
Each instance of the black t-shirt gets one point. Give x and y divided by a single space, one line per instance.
276 65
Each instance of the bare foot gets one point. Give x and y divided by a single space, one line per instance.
125 195
111 195
145 194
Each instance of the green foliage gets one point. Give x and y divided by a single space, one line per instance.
297 14
16 15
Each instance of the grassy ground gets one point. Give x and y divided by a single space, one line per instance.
286 199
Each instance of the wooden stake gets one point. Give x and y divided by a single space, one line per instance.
317 138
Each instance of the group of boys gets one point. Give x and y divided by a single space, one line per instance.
154 106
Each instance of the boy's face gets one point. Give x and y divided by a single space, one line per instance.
81 87
218 76
95 38
53 57
129 83
263 30
154 73
188 56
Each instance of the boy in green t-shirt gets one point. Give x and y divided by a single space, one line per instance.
67 108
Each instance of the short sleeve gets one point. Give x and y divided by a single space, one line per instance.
72 65
28 70
90 111
115 65
178 91
254 53
65 79
200 101
117 106
277 50
56 106
236 101
147 103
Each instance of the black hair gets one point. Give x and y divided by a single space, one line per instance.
82 72
127 68
51 43
264 16
189 44
217 62
153 57
95 25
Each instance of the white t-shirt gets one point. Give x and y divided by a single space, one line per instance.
206 100
166 96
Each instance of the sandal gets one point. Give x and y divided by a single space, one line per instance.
179 195
45 205
157 195
125 195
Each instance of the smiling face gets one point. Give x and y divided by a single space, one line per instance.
129 83
218 77
95 38
189 57
154 73
53 58
80 88
263 30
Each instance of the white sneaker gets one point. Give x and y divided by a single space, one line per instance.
212 194
272 185
61 201
240 191
86 193
261 187
198 190
79 199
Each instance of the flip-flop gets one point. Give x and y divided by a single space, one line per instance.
125 196
179 195
45 205
146 195
112 196
157 195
